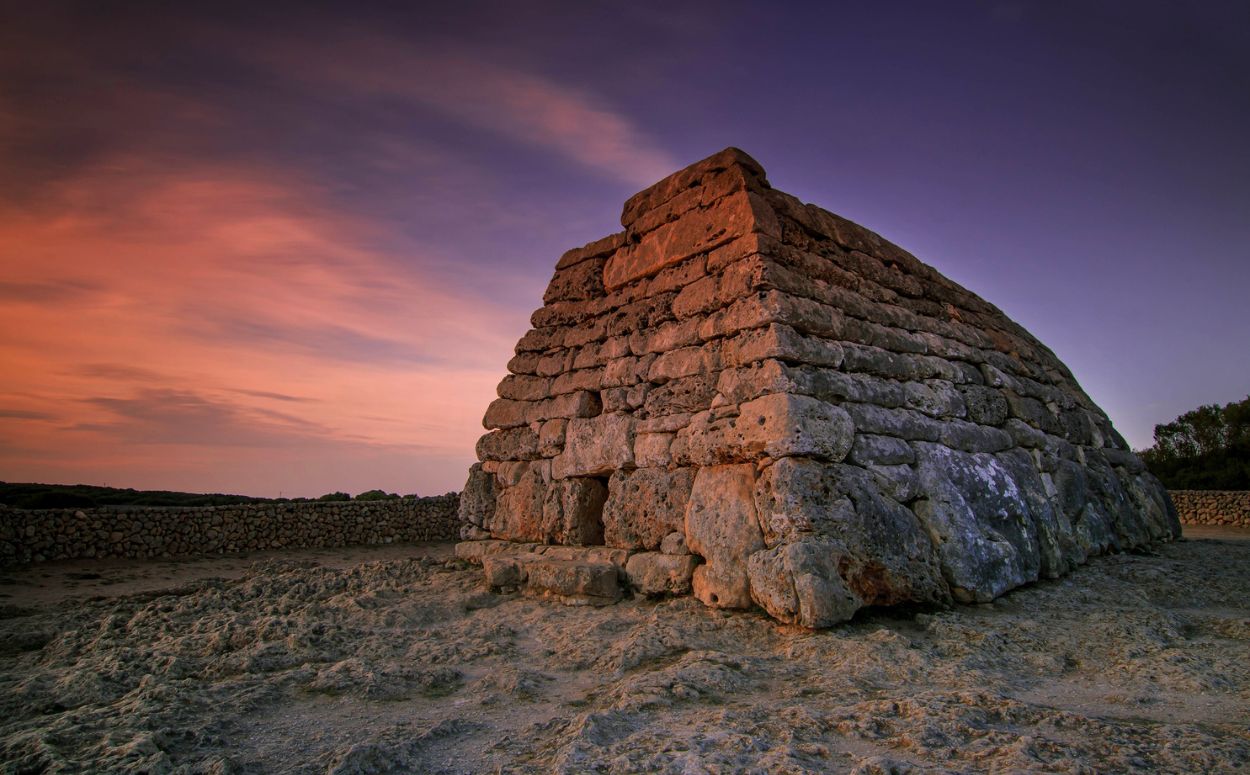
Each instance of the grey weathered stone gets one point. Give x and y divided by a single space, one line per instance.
885 554
871 450
986 406
980 521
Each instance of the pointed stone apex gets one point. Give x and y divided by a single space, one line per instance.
695 210
727 170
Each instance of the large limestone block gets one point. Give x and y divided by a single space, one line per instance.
595 446
979 519
511 444
799 583
653 573
573 581
645 505
727 170
785 425
701 230
579 282
780 342
776 425
722 528
884 554
477 500
519 509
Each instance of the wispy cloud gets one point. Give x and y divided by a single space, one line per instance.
42 292
273 396
222 284
182 417
25 414
527 107
198 296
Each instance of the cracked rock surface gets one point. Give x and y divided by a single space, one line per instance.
398 660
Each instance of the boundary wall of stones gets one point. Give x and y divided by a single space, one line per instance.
138 532
1212 507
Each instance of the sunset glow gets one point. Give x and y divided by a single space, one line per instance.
237 260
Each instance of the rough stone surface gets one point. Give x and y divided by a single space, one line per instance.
645 505
573 512
816 419
721 526
1213 507
653 573
597 445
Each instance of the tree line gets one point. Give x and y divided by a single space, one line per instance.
85 496
1207 448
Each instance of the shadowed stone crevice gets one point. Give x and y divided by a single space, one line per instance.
758 403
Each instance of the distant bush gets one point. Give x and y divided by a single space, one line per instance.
80 496
376 495
1207 448
55 500
85 496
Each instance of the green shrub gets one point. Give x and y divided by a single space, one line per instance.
1207 448
376 495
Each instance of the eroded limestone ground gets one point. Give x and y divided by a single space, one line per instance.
397 660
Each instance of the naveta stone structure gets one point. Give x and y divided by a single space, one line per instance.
757 401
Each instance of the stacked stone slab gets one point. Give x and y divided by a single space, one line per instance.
762 403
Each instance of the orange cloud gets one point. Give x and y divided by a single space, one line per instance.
226 325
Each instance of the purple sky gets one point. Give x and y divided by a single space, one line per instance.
285 250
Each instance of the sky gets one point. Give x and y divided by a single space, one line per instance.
286 249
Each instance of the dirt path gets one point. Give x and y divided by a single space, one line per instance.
396 660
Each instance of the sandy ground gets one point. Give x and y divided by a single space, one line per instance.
396 660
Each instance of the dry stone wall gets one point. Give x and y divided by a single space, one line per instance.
761 403
1213 507
141 532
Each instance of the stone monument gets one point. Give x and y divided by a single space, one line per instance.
758 402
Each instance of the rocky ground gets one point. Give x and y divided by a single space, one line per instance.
397 660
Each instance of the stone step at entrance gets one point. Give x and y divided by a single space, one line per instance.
578 575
